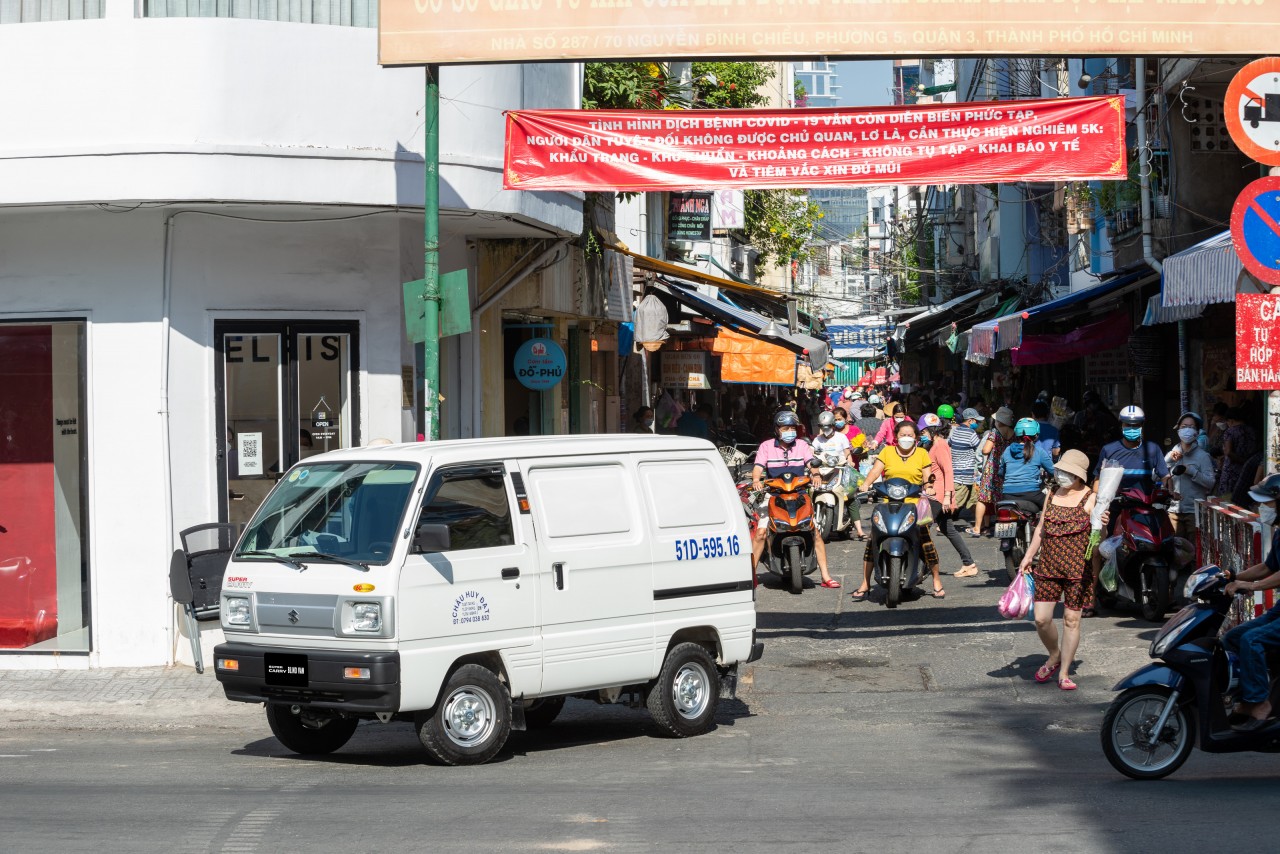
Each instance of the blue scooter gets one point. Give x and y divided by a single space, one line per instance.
895 537
1166 708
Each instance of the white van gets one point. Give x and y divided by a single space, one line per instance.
471 586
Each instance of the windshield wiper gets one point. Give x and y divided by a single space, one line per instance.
296 564
355 564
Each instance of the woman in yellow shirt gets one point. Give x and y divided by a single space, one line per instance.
903 459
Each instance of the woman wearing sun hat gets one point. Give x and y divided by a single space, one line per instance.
1063 573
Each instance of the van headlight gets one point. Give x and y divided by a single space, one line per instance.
366 616
236 611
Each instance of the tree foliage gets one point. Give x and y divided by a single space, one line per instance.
780 225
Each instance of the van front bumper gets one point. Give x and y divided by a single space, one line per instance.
321 686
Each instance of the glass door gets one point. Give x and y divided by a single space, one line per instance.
285 393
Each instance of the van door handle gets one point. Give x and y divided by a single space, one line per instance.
510 572
557 571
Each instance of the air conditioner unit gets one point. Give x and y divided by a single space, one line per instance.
680 250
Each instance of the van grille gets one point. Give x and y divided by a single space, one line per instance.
297 613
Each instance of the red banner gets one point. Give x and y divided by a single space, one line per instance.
1257 356
1063 139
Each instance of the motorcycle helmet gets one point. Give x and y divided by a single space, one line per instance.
946 412
826 419
1268 490
786 418
1027 428
929 420
875 400
1132 416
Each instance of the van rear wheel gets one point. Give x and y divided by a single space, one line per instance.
472 720
683 700
311 735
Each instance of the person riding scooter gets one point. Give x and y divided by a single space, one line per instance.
1250 641
785 454
1144 467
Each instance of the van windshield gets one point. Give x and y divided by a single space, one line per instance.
351 511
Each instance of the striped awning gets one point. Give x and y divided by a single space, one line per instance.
982 343
1157 314
1204 274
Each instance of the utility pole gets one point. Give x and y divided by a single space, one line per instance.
431 260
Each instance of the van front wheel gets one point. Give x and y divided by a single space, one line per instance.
683 700
472 720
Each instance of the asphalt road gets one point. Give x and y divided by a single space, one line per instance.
862 729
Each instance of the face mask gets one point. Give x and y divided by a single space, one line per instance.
1267 515
648 422
1064 480
899 418
1187 435
925 440
828 430
1221 425
840 424
906 443
1133 434
787 436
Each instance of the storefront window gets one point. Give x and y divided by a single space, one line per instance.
44 571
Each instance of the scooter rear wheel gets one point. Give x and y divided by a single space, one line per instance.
1155 605
1129 743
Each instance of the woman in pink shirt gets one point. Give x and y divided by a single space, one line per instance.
941 490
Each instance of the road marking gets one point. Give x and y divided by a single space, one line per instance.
14 756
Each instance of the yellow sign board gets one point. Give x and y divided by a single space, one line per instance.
417 32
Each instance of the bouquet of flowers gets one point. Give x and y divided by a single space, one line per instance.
1109 477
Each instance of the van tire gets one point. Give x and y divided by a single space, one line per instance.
471 721
542 712
290 731
684 697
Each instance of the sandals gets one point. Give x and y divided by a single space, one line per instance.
939 593
830 583
860 595
1045 673
1066 684
968 571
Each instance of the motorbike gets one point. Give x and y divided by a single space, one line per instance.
835 508
789 515
1014 526
895 538
1185 698
1150 559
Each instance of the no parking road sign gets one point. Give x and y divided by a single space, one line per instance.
1255 229
1252 110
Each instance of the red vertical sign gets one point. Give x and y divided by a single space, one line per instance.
1257 341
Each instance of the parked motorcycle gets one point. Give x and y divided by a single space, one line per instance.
790 553
1014 526
895 537
1167 708
1150 558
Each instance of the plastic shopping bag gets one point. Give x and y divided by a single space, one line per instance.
1108 577
1017 598
1031 597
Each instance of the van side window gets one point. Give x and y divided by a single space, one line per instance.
475 509
685 494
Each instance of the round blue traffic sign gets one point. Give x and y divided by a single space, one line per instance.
539 364
1255 229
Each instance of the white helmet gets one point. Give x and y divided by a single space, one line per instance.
826 419
1132 415
874 399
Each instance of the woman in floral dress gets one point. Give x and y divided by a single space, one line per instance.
992 447
1063 573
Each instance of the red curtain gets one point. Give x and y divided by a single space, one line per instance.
1106 334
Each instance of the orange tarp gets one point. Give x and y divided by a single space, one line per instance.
744 359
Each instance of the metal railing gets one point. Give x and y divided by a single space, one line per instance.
32 11
342 13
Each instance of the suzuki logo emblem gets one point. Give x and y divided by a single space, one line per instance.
293 616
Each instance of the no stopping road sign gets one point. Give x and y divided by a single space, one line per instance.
1255 229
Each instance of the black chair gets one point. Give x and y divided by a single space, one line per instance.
195 576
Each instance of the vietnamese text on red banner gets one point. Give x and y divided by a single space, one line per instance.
1064 139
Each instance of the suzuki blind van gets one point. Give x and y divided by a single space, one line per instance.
471 586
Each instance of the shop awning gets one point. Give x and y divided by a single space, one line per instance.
746 359
913 329
666 268
814 349
1106 334
980 344
1077 302
1157 313
1202 275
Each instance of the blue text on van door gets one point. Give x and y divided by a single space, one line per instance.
708 547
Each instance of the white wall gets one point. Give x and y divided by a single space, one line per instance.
109 268
224 109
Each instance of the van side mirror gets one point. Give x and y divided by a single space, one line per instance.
431 537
